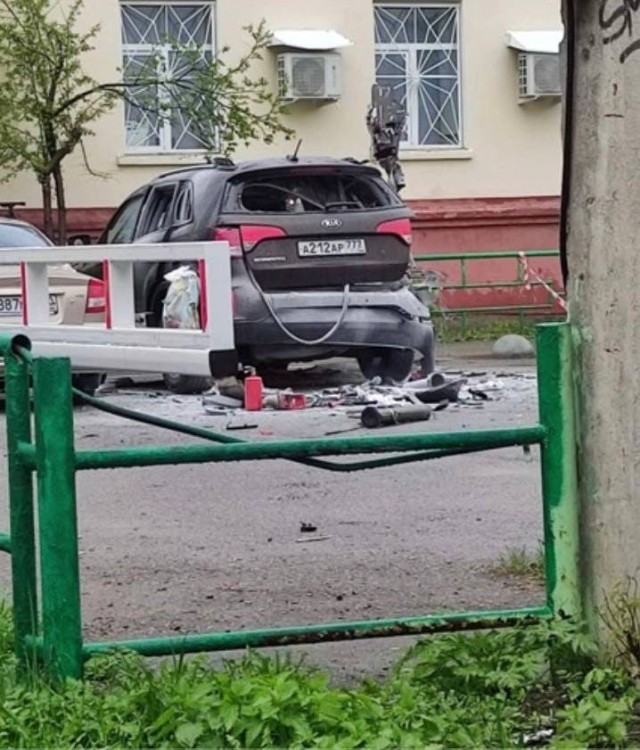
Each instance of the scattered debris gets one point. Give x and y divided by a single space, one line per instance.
541 737
230 387
373 417
287 400
481 395
242 425
342 432
306 539
439 390
442 392
215 399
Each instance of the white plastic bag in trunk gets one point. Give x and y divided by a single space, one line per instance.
180 309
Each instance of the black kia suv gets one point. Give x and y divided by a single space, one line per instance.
320 251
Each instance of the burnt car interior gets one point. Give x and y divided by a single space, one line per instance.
302 193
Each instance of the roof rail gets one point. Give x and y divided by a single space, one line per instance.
218 162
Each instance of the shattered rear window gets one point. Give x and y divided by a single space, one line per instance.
304 193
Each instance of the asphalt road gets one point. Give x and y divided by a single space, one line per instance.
173 550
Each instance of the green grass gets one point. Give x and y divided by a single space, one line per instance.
449 328
456 691
519 562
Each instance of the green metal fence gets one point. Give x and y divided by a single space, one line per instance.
517 282
47 608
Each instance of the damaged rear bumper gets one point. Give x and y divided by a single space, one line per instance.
376 319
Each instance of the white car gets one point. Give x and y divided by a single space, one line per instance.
75 299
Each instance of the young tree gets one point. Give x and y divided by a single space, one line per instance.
226 106
49 105
40 125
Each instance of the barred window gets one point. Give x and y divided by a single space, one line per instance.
418 58
152 35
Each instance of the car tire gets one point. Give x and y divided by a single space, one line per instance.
186 384
387 364
427 363
87 382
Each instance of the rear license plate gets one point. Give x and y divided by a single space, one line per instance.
313 248
11 306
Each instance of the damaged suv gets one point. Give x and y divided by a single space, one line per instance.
320 252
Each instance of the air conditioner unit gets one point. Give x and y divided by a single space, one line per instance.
309 76
539 76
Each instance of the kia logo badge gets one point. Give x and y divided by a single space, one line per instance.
331 223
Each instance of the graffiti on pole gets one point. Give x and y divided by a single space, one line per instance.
616 19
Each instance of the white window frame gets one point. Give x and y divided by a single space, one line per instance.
165 129
410 51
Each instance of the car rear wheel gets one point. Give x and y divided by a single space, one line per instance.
388 364
175 382
186 384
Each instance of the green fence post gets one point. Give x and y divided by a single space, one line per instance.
59 569
559 469
21 512
463 282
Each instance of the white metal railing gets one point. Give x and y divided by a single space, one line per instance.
118 344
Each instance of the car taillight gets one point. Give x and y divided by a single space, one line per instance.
96 297
252 234
399 227
247 236
230 235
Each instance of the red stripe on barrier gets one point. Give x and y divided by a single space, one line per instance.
107 293
23 291
204 309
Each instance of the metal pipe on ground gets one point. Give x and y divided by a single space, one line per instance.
385 416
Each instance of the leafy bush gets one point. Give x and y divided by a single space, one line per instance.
464 690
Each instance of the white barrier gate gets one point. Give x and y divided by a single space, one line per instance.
119 344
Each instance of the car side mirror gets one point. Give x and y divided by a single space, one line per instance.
79 239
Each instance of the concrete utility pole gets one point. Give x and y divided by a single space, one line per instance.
603 253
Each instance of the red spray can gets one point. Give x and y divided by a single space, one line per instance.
253 393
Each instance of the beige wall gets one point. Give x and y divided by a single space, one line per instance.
510 150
